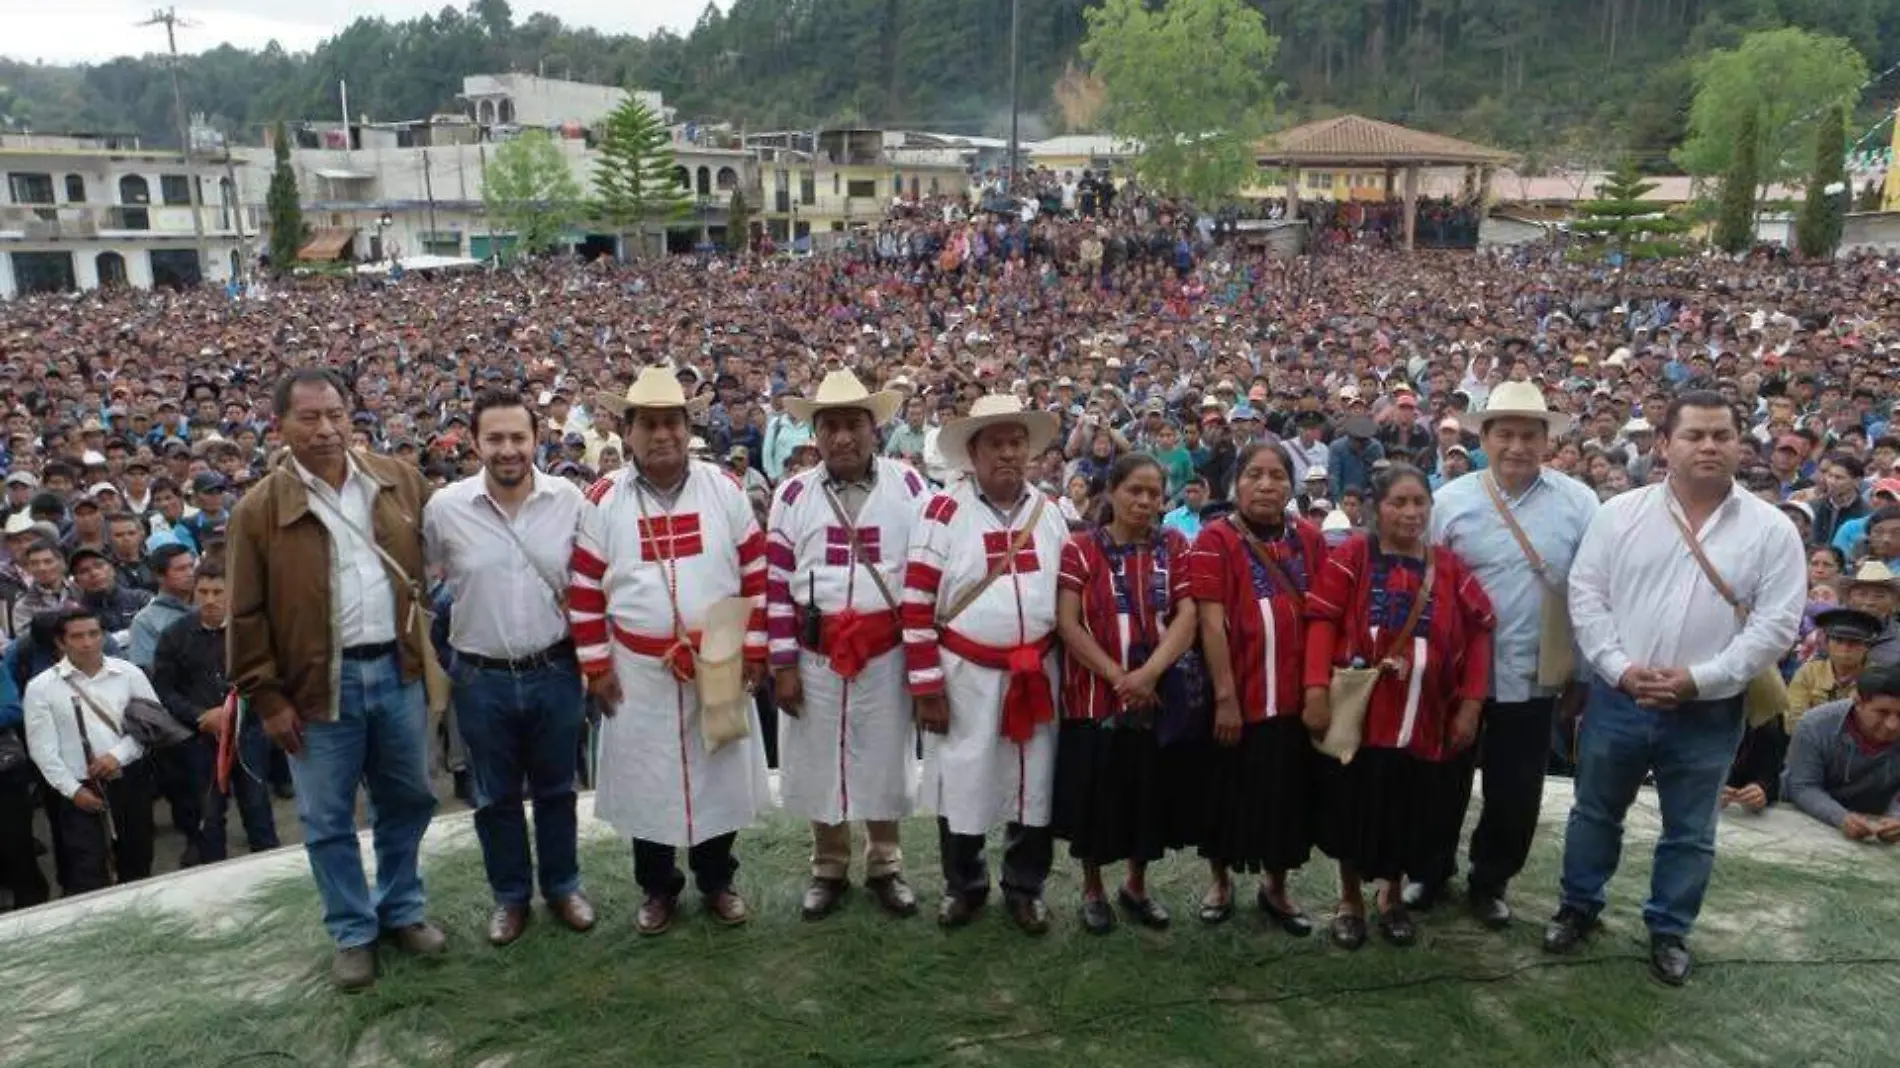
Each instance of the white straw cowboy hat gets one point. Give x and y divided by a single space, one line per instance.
657 387
841 389
953 441
1516 400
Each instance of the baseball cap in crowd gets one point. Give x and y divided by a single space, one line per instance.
209 482
1887 486
1358 427
23 478
1450 423
22 523
1316 473
1242 411
83 552
1800 508
737 451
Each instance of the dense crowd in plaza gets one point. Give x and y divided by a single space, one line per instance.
1149 540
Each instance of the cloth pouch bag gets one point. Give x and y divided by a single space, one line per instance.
719 670
1351 694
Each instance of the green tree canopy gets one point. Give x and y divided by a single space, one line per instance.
738 223
528 189
1735 218
1818 229
285 209
1639 229
1786 79
633 174
1189 80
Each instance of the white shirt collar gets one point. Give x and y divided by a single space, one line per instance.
350 472
67 669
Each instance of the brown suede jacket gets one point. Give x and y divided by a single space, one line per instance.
281 641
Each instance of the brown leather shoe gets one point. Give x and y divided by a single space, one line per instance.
958 910
656 914
893 894
506 923
354 968
574 912
1030 914
728 908
822 897
423 939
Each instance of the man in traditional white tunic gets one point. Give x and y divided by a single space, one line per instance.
835 549
979 629
667 538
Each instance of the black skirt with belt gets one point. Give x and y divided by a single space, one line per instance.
1389 813
1259 803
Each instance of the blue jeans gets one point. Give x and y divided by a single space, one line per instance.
1690 749
249 784
523 727
380 739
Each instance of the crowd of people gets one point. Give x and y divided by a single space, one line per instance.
1149 541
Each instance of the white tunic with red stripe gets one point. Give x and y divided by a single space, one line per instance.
973 776
847 756
657 782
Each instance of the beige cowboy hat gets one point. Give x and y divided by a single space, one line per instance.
1517 400
657 387
841 389
953 441
1872 573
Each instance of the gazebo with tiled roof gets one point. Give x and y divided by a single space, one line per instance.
1356 141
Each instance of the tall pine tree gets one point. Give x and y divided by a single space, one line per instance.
633 174
1735 219
1818 230
281 203
738 223
1628 224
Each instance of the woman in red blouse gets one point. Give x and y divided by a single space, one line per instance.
1249 573
1398 800
1124 615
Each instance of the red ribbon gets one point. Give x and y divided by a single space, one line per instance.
679 660
847 643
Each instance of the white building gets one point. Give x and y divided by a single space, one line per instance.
530 100
83 210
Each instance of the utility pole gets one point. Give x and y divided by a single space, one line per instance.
170 20
236 207
428 190
1015 90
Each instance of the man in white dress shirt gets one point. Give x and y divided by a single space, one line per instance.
1672 657
101 779
322 643
502 539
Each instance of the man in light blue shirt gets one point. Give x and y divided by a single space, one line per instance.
1187 518
1552 510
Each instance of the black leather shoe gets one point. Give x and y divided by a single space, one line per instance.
1295 922
1349 930
958 910
822 897
1420 897
1097 917
1396 927
1669 960
1217 909
1491 910
1568 929
1029 913
892 894
1143 910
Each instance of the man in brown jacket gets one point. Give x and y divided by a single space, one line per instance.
325 554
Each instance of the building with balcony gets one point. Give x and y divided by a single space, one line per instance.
84 210
816 184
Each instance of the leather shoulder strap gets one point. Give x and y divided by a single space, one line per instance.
1403 636
93 706
1722 588
1510 521
1005 562
1260 553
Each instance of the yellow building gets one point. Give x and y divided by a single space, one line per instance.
836 181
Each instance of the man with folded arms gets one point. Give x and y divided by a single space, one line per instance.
502 539
835 567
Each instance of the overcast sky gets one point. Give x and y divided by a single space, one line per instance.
72 31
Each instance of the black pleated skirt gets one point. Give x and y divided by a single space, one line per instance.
1259 801
1118 794
1389 813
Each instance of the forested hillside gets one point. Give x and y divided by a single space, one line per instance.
1535 75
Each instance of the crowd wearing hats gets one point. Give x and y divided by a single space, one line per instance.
135 421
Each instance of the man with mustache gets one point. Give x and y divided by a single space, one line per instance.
979 625
834 572
502 540
666 539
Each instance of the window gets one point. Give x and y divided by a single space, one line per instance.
30 188
75 189
861 187
807 188
134 190
174 189
441 243
837 183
